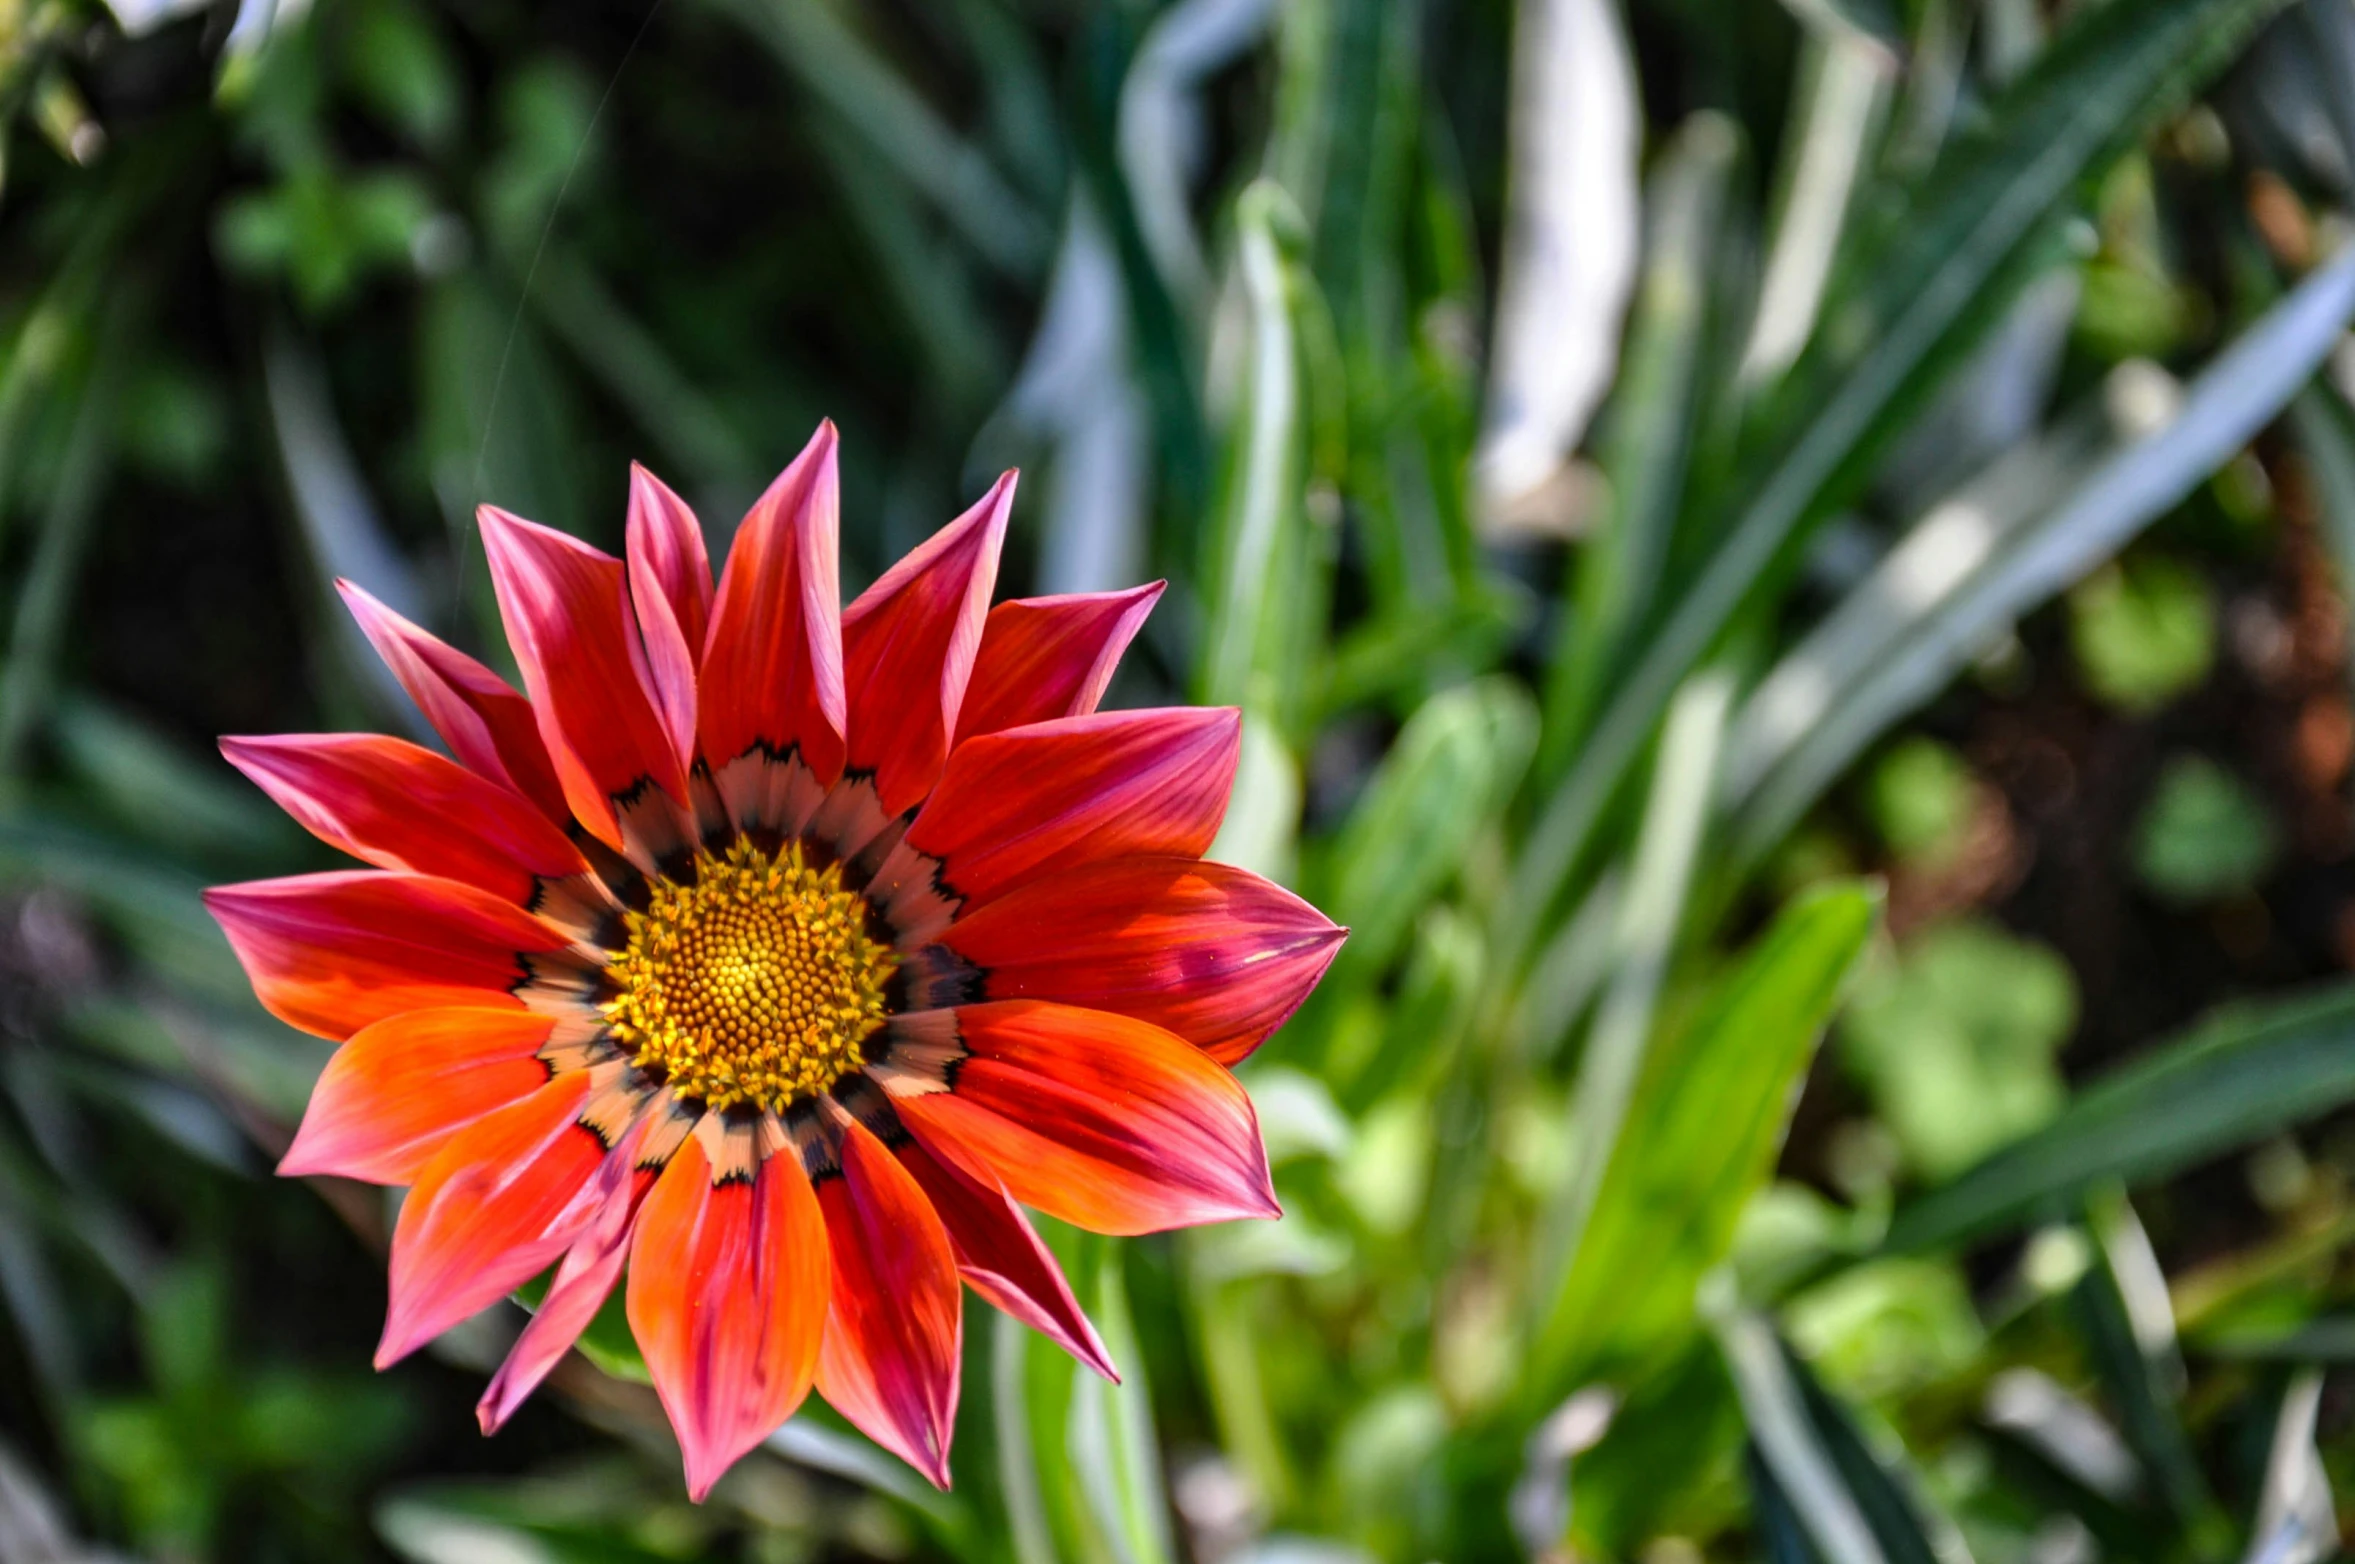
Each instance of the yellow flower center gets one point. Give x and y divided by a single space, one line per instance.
754 984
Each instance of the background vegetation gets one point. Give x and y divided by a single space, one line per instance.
1786 566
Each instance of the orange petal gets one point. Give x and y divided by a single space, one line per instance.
403 1086
1048 657
399 806
1016 805
670 589
907 651
1215 954
727 1297
896 1327
567 611
583 1279
494 1207
490 728
1003 1258
330 953
1106 1123
770 694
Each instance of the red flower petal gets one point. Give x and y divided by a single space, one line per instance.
506 1196
399 806
567 611
489 727
1003 1258
670 588
583 1279
1048 657
1109 1124
896 1326
330 953
771 693
727 1297
907 650
403 1086
1016 805
1215 954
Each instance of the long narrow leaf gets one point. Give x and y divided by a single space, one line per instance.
2246 1073
1945 280
2237 395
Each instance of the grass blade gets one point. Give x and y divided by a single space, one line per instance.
2245 1073
1646 431
1682 786
1940 283
1702 1135
2230 402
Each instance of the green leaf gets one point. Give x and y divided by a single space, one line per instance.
2204 834
1646 429
2144 631
1956 1044
1962 589
1455 763
1649 919
2247 1072
1701 1138
1970 234
1886 1491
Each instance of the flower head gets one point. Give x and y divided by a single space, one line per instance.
773 956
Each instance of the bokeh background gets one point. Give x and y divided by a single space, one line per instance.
1786 565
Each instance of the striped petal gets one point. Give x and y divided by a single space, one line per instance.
896 1326
1215 954
567 611
583 1280
1048 657
908 645
491 729
1003 1258
330 953
400 806
493 1208
670 589
1106 1123
727 1297
1014 806
770 695
402 1087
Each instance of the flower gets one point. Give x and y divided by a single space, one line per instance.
776 954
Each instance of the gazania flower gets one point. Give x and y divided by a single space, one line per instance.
776 956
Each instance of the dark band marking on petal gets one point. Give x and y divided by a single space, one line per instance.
815 1140
916 1053
934 977
865 1101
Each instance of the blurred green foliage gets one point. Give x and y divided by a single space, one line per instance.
1648 472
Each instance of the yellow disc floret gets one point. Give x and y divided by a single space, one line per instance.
756 983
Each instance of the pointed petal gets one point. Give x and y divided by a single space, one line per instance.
402 1087
670 588
505 1197
896 1327
727 1297
1106 1123
1017 805
567 611
1213 953
907 649
770 695
489 727
400 806
1003 1257
1048 657
583 1280
330 953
